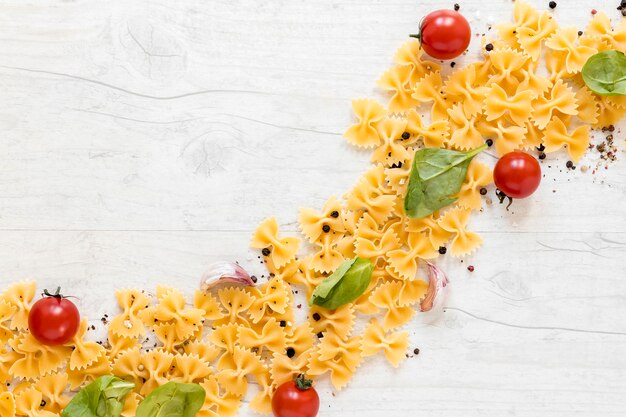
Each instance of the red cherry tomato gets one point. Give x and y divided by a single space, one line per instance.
53 320
517 174
296 398
444 34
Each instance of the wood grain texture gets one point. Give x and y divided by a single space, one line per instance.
142 140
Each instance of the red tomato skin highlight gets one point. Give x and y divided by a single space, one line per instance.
53 321
291 401
517 174
445 34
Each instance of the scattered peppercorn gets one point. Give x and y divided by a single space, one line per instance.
552 4
489 142
489 47
483 191
334 214
397 165
541 148
452 64
326 228
594 12
316 316
542 156
416 351
442 250
291 352
470 268
43 403
266 251
456 7
569 164
283 323
320 335
406 135
254 278
580 33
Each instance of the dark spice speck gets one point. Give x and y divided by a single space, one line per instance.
489 142
552 4
406 135
266 251
416 351
291 352
489 47
316 317
283 323
483 191
442 250
334 214
457 7
326 228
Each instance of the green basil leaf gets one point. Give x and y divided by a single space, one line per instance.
436 176
104 397
344 285
173 399
605 73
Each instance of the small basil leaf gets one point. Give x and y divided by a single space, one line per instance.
436 176
173 399
104 397
605 73
344 285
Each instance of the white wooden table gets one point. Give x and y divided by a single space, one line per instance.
142 140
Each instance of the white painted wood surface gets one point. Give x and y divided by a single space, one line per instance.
142 140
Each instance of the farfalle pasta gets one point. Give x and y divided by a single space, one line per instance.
230 337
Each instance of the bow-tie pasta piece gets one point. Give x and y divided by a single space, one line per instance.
128 366
53 388
6 312
7 404
171 310
412 292
372 195
429 89
566 40
533 138
280 251
128 323
430 225
386 297
28 403
283 368
436 135
233 378
464 241
156 365
225 337
600 28
339 321
340 357
80 377
300 338
465 135
403 262
463 88
271 337
363 133
393 345
531 39
560 99
236 302
34 358
410 55
206 351
392 151
373 242
507 65
517 107
507 137
557 136
84 353
271 297
118 344
609 113
20 296
328 256
262 401
207 302
218 403
478 176
397 81
189 369
524 16
315 224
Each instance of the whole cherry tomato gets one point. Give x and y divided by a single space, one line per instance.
517 174
53 320
296 398
444 34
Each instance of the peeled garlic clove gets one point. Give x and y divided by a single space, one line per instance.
225 272
437 282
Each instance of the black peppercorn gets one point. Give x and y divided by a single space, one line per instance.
316 317
334 214
569 164
254 278
406 135
542 156
266 251
552 4
291 352
452 64
580 33
489 47
541 148
326 228
442 250
397 165
416 351
320 335
489 142
283 323
483 191
456 7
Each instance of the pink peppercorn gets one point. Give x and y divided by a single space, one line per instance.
470 268
594 11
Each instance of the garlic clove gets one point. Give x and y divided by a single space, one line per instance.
225 272
435 295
